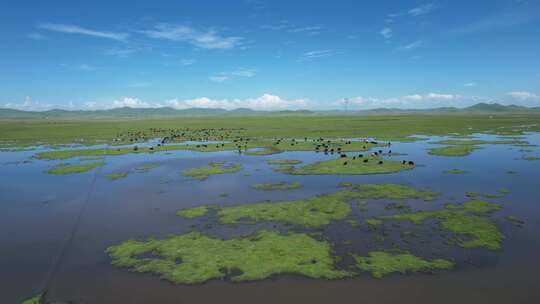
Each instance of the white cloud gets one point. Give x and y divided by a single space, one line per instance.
75 29
470 84
524 95
312 55
423 9
415 101
86 67
130 102
264 102
411 46
28 105
36 36
240 72
207 39
186 62
386 32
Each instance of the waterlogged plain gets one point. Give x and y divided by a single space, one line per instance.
342 222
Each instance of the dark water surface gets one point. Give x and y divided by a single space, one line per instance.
54 228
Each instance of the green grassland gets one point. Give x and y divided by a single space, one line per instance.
202 173
350 166
72 169
381 263
384 127
461 150
196 258
278 186
318 210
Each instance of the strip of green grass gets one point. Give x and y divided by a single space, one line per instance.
117 175
380 263
461 150
72 169
348 166
202 173
455 171
196 258
284 162
278 186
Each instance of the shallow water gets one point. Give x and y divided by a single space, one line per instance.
54 228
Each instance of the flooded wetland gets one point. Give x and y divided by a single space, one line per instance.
329 210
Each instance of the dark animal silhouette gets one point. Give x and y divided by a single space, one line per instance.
411 163
345 163
380 162
366 160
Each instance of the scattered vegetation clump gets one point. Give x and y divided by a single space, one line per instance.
264 151
397 206
193 212
202 173
278 186
33 300
475 142
350 166
311 212
504 190
475 206
455 171
530 158
374 222
345 184
381 263
479 231
393 191
517 221
117 175
195 258
461 150
284 162
72 169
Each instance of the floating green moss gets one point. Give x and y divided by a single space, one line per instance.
284 162
455 171
196 258
193 212
380 263
117 175
278 186
453 150
475 206
34 300
350 166
393 191
480 231
202 173
311 212
72 169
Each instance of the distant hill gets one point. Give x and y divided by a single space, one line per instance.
127 112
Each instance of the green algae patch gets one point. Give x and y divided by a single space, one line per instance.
193 212
33 300
393 191
284 162
460 150
455 171
311 212
475 206
72 169
480 142
478 231
196 258
278 186
202 173
350 166
380 263
117 175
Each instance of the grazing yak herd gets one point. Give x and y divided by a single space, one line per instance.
206 135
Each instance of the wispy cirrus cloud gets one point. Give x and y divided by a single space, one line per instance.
207 39
317 54
240 72
411 46
75 29
470 84
286 26
187 61
420 10
36 36
386 32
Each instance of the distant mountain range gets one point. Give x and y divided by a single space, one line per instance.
126 112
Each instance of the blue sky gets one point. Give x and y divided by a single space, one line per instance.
268 55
